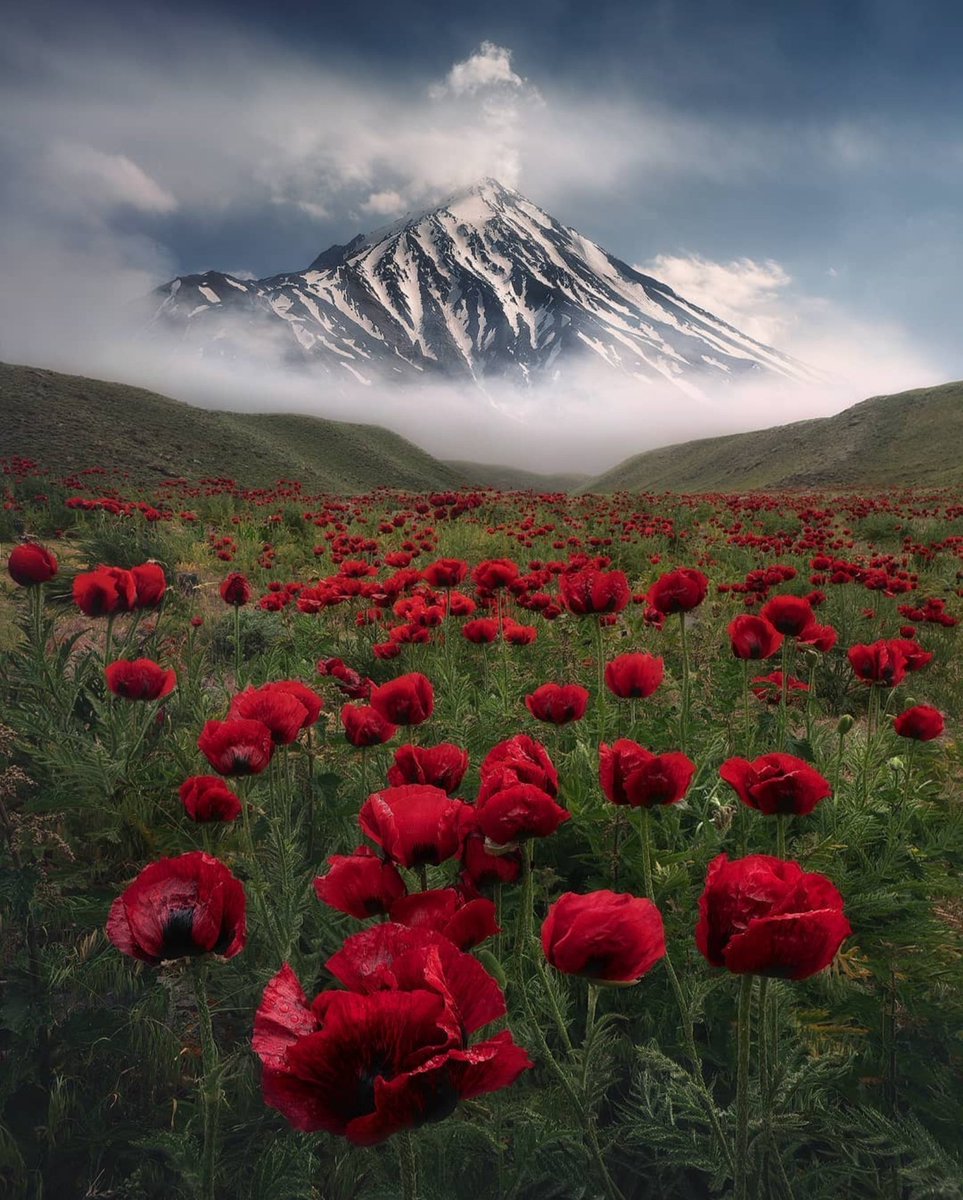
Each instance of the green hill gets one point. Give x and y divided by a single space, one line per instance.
66 423
515 479
911 438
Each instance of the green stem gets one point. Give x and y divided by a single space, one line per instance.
684 715
237 647
745 706
407 1165
688 1033
600 667
741 1184
209 1094
523 931
781 820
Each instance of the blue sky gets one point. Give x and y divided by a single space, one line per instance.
796 167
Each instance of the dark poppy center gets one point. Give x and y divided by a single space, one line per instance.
178 938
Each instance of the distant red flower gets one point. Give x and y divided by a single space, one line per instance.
634 676
558 704
494 573
517 812
480 869
882 662
821 637
105 592
407 700
208 798
282 712
922 723
180 907
31 564
139 679
631 775
591 592
441 766
415 824
789 614
365 726
519 759
367 1066
518 635
446 572
754 638
768 688
608 937
361 884
445 911
776 784
678 591
236 590
763 916
481 631
236 746
151 584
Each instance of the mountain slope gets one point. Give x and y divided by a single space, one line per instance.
485 285
906 439
68 423
517 479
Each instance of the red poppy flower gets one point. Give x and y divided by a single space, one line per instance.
407 700
445 572
776 784
365 726
308 697
630 774
31 564
820 637
518 635
769 687
178 907
350 683
608 937
882 662
483 870
441 766
922 722
519 759
678 591
520 811
236 590
360 884
481 632
281 712
754 638
590 592
913 653
558 704
139 679
208 798
104 592
236 746
151 584
445 911
789 614
369 1066
415 824
634 676
494 573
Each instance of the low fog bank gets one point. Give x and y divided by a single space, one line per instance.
587 422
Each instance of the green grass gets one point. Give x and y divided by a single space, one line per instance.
68 423
515 479
912 438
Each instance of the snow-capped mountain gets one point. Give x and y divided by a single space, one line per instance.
486 284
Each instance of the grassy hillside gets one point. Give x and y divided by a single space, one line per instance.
66 423
515 479
909 438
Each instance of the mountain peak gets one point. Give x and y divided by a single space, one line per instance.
483 283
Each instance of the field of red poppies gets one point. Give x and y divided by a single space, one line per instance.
502 846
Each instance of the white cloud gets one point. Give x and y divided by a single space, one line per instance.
83 175
490 66
384 204
746 293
